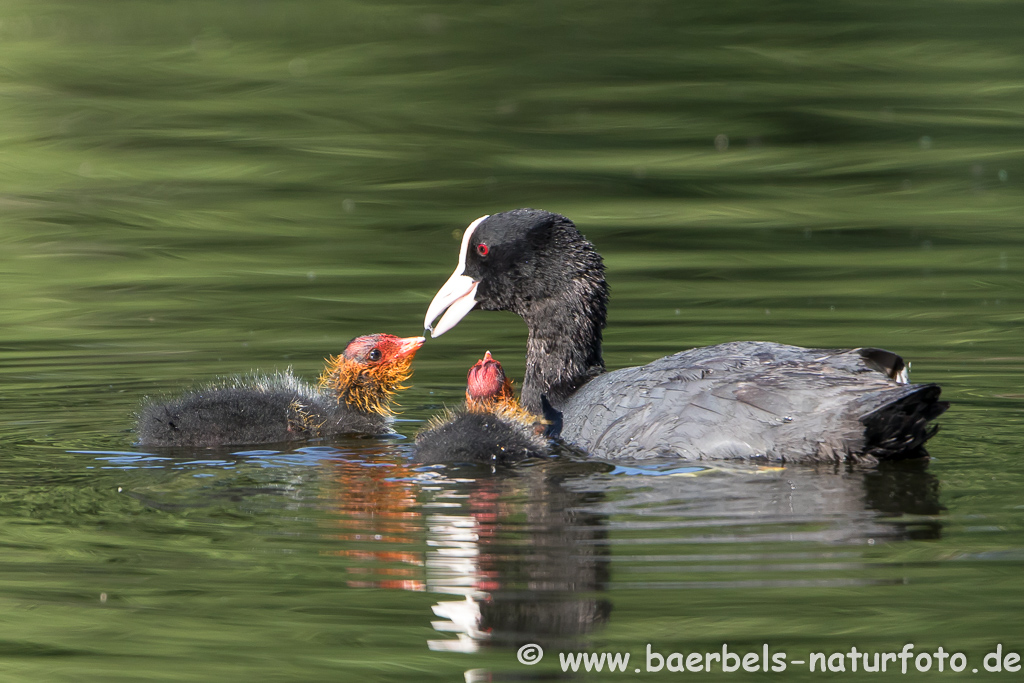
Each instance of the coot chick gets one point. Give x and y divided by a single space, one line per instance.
354 397
491 428
736 400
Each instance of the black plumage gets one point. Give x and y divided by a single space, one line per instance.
484 437
736 400
253 410
491 427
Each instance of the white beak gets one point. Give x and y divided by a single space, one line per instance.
457 297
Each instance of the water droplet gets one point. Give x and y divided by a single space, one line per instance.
721 142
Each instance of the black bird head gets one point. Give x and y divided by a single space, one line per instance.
518 261
537 265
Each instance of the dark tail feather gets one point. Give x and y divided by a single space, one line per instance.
552 417
898 429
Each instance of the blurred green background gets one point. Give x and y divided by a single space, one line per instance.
196 189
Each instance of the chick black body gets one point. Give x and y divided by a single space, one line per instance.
490 428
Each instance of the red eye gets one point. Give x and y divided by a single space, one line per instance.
482 249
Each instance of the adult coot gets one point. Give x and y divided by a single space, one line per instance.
735 400
492 428
354 397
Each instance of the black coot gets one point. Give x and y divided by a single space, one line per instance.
491 428
735 400
354 397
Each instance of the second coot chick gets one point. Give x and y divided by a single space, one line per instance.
354 397
492 428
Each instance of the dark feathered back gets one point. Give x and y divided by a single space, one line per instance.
478 437
260 409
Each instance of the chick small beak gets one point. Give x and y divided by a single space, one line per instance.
408 346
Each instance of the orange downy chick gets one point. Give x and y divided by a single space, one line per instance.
370 371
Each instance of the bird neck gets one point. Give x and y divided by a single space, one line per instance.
563 350
502 405
366 389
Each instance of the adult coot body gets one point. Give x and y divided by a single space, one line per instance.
353 397
735 400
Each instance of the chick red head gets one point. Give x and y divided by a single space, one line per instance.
382 349
486 382
371 370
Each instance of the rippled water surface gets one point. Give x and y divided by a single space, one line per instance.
193 190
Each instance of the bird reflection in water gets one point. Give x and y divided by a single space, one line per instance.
516 548
527 559
525 551
375 497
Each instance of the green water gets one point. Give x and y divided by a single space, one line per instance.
190 190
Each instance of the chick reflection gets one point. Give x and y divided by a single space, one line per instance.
517 548
378 513
526 558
